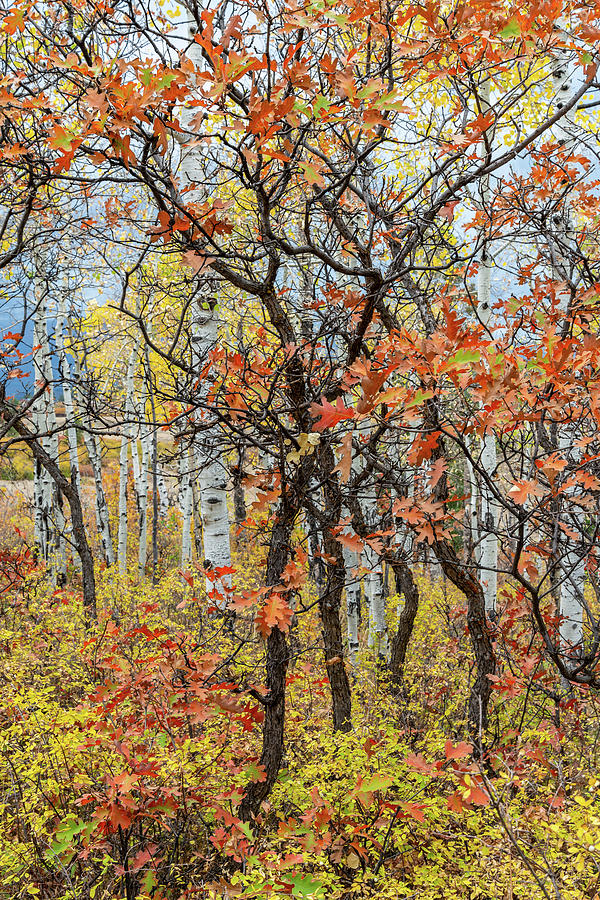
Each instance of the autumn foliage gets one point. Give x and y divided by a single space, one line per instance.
300 437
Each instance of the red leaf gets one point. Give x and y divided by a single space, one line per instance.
118 816
187 577
415 810
330 415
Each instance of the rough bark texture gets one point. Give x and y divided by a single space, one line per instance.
480 637
405 585
278 657
330 601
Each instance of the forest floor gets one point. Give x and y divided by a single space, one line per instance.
125 749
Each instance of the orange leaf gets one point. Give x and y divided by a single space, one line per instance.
118 817
275 613
13 21
436 471
477 796
415 761
344 467
350 540
521 490
459 752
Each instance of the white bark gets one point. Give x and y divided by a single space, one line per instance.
211 466
49 513
572 563
186 500
64 370
41 524
163 491
127 439
122 537
489 459
102 515
66 378
209 458
351 563
488 558
95 458
374 593
378 637
146 444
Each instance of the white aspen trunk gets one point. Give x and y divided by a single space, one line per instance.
122 537
572 582
571 604
351 562
65 375
488 559
186 500
163 491
102 516
374 593
471 518
93 451
131 427
196 522
53 516
41 531
135 456
378 637
212 472
146 439
209 458
139 467
128 438
64 370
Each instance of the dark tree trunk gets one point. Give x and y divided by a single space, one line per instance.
333 644
330 600
69 491
239 501
278 657
479 633
480 638
405 585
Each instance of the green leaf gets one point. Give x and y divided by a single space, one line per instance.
461 359
512 29
165 81
68 832
246 830
320 103
377 783
306 886
162 739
